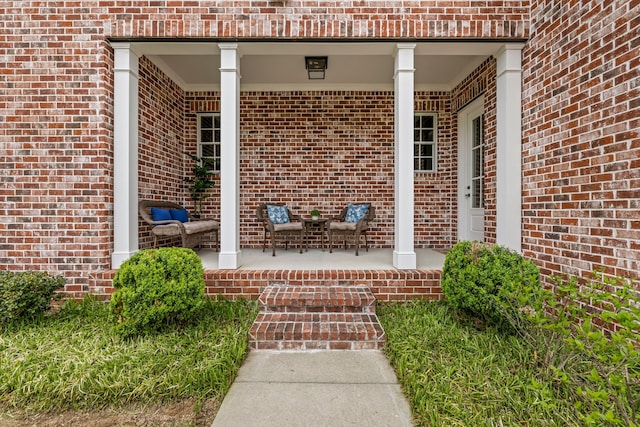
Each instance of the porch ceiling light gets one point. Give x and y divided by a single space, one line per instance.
316 66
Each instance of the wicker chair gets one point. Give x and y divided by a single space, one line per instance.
338 226
190 233
293 228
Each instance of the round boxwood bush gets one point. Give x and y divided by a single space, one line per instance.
26 294
492 282
157 288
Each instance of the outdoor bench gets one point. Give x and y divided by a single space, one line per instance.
173 221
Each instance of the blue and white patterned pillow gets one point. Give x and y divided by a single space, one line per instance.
278 214
355 212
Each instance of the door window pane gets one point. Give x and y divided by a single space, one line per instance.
477 160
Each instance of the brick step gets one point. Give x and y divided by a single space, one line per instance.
316 299
316 331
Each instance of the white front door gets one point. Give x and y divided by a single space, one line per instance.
471 172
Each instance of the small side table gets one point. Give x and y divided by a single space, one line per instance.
308 225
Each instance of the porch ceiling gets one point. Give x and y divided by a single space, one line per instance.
351 65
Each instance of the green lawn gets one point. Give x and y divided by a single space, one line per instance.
75 360
455 374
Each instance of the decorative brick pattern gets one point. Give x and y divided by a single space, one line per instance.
581 146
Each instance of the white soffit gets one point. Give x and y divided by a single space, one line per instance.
279 66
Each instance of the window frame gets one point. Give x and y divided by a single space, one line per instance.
216 159
434 143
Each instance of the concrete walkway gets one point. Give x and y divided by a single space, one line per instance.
315 388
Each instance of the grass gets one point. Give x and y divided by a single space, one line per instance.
454 374
74 360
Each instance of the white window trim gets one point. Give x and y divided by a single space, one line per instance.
434 143
199 145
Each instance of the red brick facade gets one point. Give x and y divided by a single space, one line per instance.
581 143
580 124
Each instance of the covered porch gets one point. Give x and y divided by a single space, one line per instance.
307 158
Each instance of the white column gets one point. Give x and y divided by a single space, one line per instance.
125 154
404 255
509 147
229 257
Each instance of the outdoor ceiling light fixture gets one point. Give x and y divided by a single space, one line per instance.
316 66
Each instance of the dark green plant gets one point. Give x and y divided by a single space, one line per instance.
26 294
491 282
315 212
200 182
157 288
589 340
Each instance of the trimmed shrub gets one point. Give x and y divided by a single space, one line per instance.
26 294
491 282
157 288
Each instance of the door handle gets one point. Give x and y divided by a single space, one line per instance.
467 195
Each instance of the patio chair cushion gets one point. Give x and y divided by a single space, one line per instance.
179 215
355 212
343 225
289 226
278 214
192 227
160 214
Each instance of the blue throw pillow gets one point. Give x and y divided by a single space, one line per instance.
278 214
179 215
160 214
355 212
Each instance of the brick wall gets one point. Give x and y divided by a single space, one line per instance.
55 144
326 149
315 19
194 103
161 146
435 193
581 149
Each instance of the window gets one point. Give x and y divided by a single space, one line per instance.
477 160
209 140
424 142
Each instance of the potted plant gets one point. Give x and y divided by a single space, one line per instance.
315 214
199 183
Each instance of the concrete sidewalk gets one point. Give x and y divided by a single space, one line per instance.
315 388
